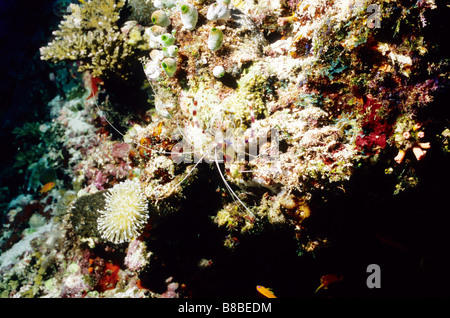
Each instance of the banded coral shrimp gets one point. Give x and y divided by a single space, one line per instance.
193 142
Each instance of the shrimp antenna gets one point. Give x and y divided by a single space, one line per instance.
101 113
193 168
104 117
233 194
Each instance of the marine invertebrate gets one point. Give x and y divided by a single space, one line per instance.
83 215
409 136
109 277
173 289
218 11
169 66
137 256
189 16
159 17
141 10
215 39
167 39
375 128
36 221
125 214
90 34
153 35
170 51
310 101
74 285
120 151
219 71
165 3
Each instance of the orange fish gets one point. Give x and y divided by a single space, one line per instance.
47 187
328 279
267 292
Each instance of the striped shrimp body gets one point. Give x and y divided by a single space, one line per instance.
190 142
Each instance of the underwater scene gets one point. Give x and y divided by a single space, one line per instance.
224 149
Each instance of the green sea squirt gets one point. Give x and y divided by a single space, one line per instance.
169 65
189 16
215 39
159 17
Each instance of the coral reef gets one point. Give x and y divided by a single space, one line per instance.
254 120
91 36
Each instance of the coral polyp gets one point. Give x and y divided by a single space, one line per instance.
125 213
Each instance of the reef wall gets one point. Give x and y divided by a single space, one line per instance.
258 139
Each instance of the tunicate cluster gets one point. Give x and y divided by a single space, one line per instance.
165 51
167 39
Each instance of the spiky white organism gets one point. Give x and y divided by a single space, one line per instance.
125 214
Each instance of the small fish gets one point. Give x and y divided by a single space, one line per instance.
267 292
328 279
47 187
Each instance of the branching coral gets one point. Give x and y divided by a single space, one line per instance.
90 35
